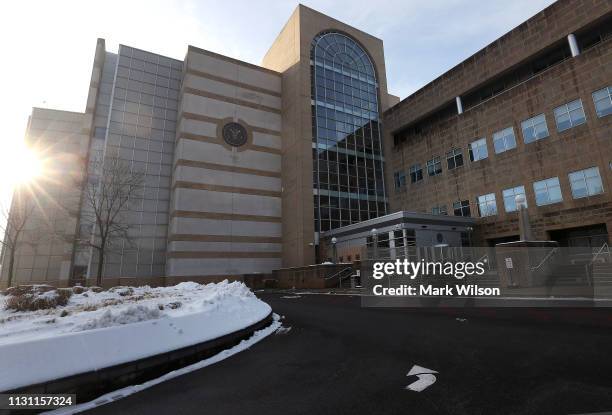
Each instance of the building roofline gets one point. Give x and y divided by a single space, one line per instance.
201 51
513 35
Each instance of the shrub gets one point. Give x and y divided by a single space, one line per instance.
36 297
77 289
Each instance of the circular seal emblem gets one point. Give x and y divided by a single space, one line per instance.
234 134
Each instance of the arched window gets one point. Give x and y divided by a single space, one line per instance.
347 149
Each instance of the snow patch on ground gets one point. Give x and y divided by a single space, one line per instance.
129 390
100 329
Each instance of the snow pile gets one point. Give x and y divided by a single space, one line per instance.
88 308
132 314
97 329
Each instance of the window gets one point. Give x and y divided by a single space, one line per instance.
434 166
547 191
504 140
487 205
478 149
462 208
603 101
346 134
439 210
534 129
586 183
510 197
416 173
454 158
569 115
400 179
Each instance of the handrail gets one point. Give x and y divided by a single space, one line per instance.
338 273
600 251
488 262
548 255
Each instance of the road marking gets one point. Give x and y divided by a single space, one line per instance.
425 379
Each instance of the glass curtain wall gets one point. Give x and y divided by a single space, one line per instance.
347 153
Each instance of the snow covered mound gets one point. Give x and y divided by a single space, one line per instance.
88 309
97 329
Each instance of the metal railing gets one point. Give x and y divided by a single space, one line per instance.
589 266
601 251
341 275
486 260
546 258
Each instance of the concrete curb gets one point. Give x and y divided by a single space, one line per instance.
90 385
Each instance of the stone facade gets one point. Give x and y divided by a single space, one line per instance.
46 246
226 200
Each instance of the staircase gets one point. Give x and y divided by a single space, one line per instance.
602 274
570 275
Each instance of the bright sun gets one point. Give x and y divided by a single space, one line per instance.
21 166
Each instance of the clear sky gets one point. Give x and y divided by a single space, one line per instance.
47 46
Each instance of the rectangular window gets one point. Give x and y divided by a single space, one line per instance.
569 115
462 208
504 140
510 197
586 182
534 128
547 191
603 101
416 173
478 149
439 210
399 179
454 158
434 166
487 205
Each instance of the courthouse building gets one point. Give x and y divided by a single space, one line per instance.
251 168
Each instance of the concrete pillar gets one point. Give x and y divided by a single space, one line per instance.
459 105
573 44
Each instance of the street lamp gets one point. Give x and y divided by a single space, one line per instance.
375 241
334 240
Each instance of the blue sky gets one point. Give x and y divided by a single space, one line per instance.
49 45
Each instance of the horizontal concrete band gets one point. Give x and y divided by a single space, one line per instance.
232 60
214 140
230 100
200 117
222 254
232 82
224 216
226 189
187 237
224 167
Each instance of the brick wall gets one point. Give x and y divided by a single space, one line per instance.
578 148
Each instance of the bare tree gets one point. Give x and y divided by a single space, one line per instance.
105 203
13 222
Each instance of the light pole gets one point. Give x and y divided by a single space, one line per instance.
334 240
375 242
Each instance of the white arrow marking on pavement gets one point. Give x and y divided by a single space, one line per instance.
425 377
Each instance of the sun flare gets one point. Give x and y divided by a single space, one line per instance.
20 165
